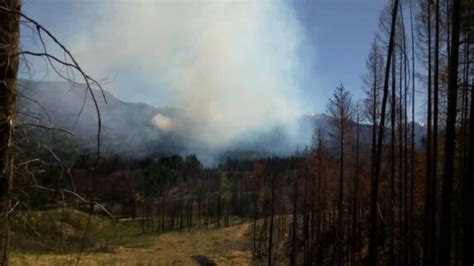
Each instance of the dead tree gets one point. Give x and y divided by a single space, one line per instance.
444 251
294 222
428 234
10 16
341 110
378 158
411 234
468 188
9 47
272 215
372 81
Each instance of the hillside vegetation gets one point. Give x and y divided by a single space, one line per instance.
54 237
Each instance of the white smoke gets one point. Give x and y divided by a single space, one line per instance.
162 122
232 66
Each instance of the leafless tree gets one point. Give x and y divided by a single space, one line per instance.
378 158
341 110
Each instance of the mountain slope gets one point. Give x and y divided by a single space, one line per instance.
129 130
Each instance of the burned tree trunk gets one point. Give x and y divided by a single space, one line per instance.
293 225
444 251
378 158
272 213
9 45
428 234
468 196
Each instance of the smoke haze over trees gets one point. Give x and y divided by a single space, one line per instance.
201 121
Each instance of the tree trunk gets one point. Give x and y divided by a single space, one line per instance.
391 225
444 251
434 171
340 203
9 47
270 240
411 235
400 156
293 226
355 240
375 181
428 239
254 225
468 196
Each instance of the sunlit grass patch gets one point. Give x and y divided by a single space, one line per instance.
125 244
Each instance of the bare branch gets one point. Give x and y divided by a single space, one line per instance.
87 79
4 215
72 193
63 166
47 127
37 234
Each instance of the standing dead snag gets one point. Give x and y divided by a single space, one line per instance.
429 228
444 251
9 45
412 142
468 186
373 81
10 19
378 158
294 222
341 109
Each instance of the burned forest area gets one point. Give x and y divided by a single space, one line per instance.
247 132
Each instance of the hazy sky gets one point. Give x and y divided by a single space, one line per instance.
237 68
333 37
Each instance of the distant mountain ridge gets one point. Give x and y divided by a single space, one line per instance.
323 121
128 128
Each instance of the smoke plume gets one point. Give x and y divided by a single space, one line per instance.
233 67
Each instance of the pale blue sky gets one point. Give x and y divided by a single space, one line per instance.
342 32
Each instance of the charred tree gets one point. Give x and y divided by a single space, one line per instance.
341 109
378 158
444 248
9 48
